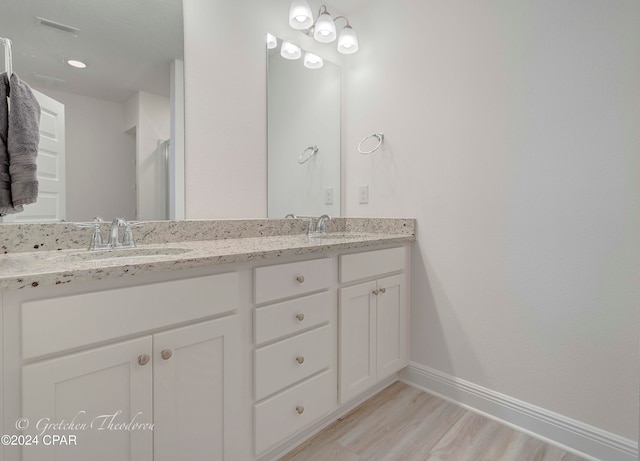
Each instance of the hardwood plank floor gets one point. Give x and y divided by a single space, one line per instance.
402 423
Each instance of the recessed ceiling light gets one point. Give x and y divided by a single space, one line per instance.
76 63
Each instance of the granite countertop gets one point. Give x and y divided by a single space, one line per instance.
62 266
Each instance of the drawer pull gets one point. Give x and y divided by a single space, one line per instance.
300 409
383 290
375 292
300 359
300 317
166 354
300 279
143 359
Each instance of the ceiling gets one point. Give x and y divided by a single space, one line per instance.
128 45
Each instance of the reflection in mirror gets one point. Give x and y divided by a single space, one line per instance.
303 104
112 134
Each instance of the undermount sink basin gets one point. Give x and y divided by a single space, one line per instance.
336 235
120 253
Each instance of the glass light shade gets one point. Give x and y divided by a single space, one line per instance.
272 41
347 42
312 61
300 16
325 31
290 51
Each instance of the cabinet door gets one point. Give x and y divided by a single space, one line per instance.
391 335
357 324
98 391
197 391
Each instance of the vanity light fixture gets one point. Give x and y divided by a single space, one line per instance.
324 28
312 61
290 51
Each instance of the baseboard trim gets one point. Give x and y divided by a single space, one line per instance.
569 434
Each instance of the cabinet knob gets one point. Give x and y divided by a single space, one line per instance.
375 292
166 354
300 278
143 359
300 359
383 290
300 317
300 409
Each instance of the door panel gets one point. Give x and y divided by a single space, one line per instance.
99 389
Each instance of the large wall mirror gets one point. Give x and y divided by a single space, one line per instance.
120 120
303 105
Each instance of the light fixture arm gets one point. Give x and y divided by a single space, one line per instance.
342 17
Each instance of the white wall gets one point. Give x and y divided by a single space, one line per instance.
100 158
512 135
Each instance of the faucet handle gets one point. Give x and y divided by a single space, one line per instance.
95 223
127 239
312 225
96 236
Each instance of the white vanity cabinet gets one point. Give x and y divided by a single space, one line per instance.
295 353
373 318
239 361
167 394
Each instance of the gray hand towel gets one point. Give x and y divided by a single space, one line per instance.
22 142
6 204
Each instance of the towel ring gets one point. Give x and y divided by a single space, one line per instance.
302 159
380 137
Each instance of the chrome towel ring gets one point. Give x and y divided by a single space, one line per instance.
313 151
380 137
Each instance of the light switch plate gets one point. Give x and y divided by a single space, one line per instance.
363 195
328 196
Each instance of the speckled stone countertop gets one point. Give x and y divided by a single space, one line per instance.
58 251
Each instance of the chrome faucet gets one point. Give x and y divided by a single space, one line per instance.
114 242
318 226
114 234
127 239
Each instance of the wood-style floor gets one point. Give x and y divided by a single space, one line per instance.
402 423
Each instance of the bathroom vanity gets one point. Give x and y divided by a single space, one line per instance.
233 348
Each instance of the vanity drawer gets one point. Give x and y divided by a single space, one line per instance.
293 279
59 324
281 319
278 365
358 266
285 414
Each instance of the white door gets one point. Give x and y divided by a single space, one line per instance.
357 339
50 206
102 388
197 392
391 337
